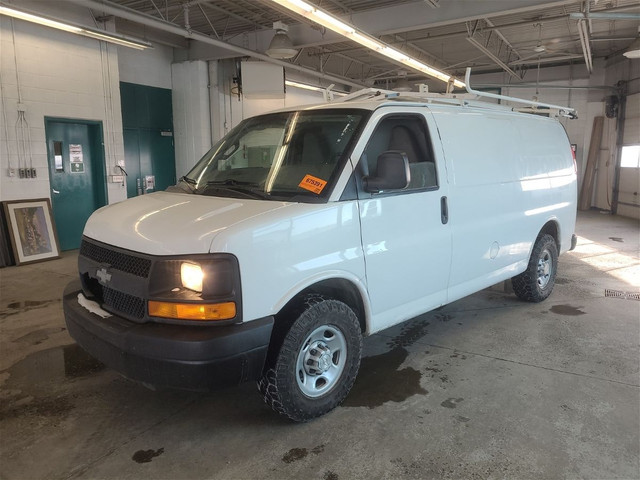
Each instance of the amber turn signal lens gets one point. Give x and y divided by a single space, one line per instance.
192 311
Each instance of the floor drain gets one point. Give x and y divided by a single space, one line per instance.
623 295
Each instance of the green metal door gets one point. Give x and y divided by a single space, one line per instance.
76 175
147 121
132 161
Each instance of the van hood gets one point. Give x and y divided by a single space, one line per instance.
165 223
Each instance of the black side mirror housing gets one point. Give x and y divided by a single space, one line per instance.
392 173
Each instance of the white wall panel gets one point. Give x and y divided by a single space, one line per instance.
191 113
60 75
148 67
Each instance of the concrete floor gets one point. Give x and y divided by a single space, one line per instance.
488 387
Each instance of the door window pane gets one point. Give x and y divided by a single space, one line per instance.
57 156
408 135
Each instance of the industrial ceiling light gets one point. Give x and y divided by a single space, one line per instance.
334 24
77 29
634 49
281 46
402 84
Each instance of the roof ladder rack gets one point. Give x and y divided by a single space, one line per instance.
561 110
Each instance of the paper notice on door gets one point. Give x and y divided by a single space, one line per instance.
75 153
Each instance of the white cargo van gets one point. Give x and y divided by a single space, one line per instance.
304 230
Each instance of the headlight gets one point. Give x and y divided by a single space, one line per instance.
191 276
195 287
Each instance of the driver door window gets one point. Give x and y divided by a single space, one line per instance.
407 134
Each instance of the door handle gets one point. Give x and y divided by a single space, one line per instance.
55 191
444 210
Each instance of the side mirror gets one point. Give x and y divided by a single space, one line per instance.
392 173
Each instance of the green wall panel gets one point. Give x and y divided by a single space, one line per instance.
147 119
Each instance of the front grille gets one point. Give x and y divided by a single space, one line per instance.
123 303
120 261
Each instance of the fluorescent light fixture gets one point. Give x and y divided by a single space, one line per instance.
334 24
304 86
633 51
79 30
583 33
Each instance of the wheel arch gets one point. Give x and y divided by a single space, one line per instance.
348 291
552 227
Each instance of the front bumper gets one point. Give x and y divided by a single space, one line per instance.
174 356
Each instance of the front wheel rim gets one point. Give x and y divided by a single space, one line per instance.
321 361
545 268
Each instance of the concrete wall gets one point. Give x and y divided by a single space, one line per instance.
623 69
150 67
206 106
58 74
191 115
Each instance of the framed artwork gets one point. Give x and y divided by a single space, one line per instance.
32 231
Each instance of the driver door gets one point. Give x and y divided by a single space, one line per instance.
405 234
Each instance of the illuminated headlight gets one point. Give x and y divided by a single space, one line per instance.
191 276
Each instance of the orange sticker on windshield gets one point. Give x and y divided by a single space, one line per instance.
313 184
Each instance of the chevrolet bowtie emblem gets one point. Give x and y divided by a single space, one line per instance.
104 277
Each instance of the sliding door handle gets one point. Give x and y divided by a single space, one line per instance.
444 210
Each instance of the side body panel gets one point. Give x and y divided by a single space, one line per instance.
281 253
509 175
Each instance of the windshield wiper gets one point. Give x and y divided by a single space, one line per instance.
229 181
239 186
191 183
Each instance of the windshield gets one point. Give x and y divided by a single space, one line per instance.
293 156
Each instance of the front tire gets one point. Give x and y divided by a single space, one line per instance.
537 281
317 362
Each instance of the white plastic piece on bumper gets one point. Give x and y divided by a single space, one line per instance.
92 306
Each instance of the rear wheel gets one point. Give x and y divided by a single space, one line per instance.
537 281
317 362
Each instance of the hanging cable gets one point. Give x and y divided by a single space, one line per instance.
6 127
23 130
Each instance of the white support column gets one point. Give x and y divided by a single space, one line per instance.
191 113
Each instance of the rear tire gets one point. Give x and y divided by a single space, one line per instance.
537 281
317 362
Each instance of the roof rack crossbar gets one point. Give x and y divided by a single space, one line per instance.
562 110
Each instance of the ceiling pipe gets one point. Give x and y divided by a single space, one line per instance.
464 33
150 21
604 16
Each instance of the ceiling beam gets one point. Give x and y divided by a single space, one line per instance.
154 22
493 57
406 17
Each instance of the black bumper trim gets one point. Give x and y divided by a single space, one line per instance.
175 356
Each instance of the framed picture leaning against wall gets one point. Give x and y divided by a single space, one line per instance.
32 231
